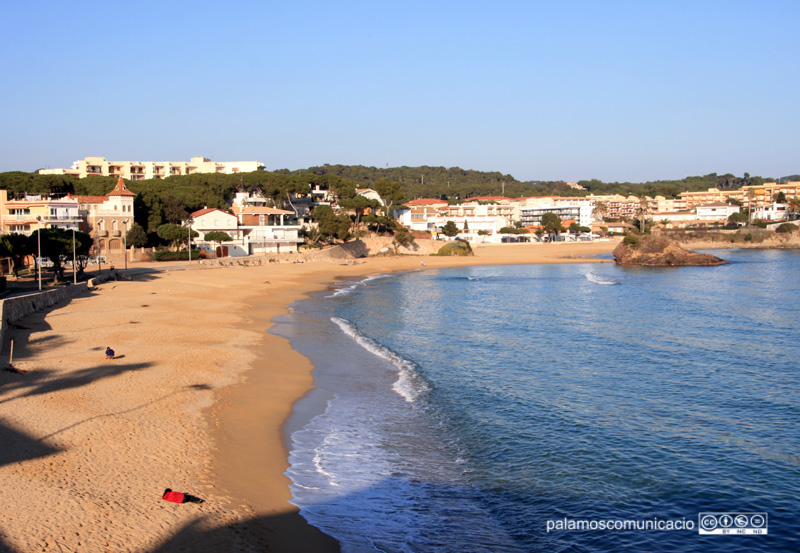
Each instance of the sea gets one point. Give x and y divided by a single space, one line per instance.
553 408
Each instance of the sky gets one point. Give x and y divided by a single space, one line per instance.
542 90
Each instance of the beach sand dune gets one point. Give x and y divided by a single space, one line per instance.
194 401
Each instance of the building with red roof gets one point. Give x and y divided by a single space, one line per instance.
108 219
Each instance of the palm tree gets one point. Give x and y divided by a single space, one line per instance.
644 205
794 206
751 196
600 210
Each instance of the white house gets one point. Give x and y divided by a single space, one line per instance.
771 212
370 194
716 212
216 220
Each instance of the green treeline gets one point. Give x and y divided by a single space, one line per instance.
171 199
671 188
427 182
457 183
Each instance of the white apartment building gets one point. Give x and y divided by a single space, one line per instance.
143 170
471 217
580 212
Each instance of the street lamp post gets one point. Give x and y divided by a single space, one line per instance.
39 249
189 224
74 266
125 241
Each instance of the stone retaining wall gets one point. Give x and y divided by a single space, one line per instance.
13 309
349 250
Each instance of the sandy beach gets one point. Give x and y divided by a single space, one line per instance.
194 400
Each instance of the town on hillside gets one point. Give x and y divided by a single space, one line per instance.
258 220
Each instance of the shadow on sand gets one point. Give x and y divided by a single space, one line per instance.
18 447
284 533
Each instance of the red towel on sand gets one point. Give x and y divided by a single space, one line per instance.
175 497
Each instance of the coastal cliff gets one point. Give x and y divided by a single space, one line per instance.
659 251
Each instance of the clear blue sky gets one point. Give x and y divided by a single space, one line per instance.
629 91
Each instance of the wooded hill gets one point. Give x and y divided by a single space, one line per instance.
170 199
457 183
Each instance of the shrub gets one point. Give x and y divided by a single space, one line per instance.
748 237
459 247
631 240
786 227
513 230
166 255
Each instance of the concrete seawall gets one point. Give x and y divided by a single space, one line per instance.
350 250
13 309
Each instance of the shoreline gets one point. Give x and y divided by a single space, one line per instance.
196 400
234 476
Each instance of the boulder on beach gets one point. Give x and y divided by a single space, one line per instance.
660 251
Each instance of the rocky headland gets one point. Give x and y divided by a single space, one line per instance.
660 251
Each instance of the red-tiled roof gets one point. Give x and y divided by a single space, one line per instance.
89 199
260 210
120 189
205 210
426 201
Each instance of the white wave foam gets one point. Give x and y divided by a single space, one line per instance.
345 290
591 277
409 385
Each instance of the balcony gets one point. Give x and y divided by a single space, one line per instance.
43 219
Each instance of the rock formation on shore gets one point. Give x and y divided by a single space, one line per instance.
660 251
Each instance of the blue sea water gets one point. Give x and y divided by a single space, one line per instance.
472 409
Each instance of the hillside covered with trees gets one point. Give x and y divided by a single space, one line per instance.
171 199
457 183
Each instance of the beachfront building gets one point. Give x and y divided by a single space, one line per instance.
108 220
715 212
617 205
420 215
579 212
672 219
265 229
478 221
757 195
216 220
28 212
772 212
620 227
143 170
